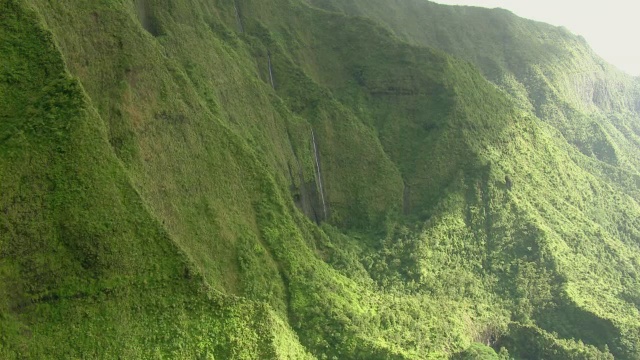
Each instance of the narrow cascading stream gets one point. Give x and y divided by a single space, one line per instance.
273 85
319 173
238 17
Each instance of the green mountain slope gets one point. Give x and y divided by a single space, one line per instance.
546 68
271 179
87 271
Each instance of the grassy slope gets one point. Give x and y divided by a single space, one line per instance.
188 125
86 270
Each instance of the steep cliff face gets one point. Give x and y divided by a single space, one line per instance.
283 179
87 268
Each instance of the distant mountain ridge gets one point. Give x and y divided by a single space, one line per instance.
552 70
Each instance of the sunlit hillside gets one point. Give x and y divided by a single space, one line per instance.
312 179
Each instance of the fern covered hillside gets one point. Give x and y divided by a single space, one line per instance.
312 179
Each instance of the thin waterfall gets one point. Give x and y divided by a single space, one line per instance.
270 69
319 174
238 18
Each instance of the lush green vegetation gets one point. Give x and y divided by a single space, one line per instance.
161 195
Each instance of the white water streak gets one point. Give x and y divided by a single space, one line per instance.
270 70
238 18
315 152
